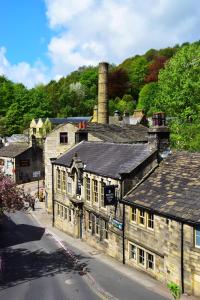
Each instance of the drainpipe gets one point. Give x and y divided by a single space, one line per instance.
52 176
123 235
123 228
182 258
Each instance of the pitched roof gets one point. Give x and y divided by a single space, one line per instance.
118 134
107 159
13 150
58 121
173 189
68 120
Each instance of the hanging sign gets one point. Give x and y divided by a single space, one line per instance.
109 195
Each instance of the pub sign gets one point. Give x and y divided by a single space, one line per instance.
109 195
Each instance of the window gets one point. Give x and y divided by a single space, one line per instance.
69 185
63 180
105 229
150 261
133 214
90 221
141 256
66 213
34 130
87 189
58 209
61 211
95 191
142 217
97 227
197 237
70 215
150 220
63 137
132 251
58 179
102 193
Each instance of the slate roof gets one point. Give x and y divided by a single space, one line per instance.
119 134
173 189
13 150
107 159
69 120
58 121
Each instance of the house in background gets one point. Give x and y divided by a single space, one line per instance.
162 222
39 128
19 161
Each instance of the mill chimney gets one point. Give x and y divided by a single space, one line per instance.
103 116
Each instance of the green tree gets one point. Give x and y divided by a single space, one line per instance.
179 83
147 97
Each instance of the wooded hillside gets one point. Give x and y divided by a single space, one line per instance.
166 79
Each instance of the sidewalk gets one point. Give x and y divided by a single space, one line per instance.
79 248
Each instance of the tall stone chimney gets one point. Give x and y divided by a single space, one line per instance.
103 116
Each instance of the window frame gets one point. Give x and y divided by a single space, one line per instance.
104 230
133 214
141 217
151 261
95 191
150 220
58 181
87 189
141 256
63 180
102 194
131 251
63 137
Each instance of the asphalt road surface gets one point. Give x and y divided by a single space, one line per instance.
34 265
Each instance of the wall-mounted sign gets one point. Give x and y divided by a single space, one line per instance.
36 174
117 224
24 163
109 195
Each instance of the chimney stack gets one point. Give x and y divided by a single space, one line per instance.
103 116
159 135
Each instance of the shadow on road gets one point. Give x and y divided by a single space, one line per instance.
21 265
12 234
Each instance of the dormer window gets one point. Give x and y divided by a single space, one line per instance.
63 137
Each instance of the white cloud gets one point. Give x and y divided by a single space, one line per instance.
89 31
112 30
22 72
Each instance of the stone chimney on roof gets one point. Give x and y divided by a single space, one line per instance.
159 134
103 116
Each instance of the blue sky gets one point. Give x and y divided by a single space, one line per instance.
42 40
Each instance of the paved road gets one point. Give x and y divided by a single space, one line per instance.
35 266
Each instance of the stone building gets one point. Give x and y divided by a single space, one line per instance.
65 136
80 177
19 161
39 128
162 222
